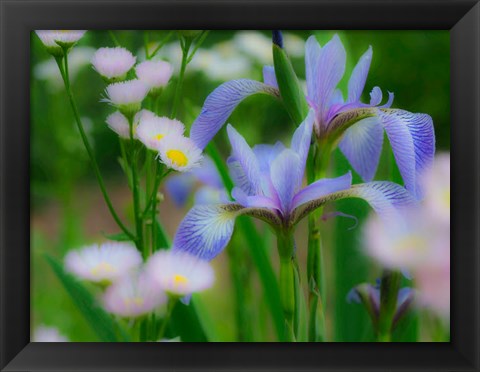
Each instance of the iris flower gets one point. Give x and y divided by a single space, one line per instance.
268 186
355 126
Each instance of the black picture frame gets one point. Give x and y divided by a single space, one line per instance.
19 17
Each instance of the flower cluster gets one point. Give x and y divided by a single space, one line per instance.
162 135
134 288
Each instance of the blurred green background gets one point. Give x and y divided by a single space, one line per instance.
68 210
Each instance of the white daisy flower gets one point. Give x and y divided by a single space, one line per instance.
54 40
103 263
48 334
179 273
154 74
179 153
133 295
144 114
119 124
152 130
127 96
113 63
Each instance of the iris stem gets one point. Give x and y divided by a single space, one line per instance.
66 79
318 162
286 251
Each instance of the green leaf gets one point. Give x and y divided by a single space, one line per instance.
162 239
187 324
120 237
101 322
290 90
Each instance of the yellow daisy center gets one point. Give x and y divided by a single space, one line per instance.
133 301
159 136
177 157
179 280
103 267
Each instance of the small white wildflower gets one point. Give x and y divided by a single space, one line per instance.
154 74
133 295
54 40
179 153
152 130
113 63
103 263
48 334
180 273
127 96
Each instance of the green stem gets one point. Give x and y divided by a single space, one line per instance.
170 306
96 169
285 245
389 288
114 38
161 44
200 41
178 90
135 190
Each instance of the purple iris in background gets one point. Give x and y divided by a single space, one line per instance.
268 185
211 190
355 126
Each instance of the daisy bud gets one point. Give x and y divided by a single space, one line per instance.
119 124
154 74
103 263
55 40
179 153
127 96
152 130
113 63
133 295
179 273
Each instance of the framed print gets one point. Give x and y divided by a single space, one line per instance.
275 178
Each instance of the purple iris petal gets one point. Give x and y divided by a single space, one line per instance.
301 140
312 56
286 178
331 67
269 77
413 143
208 174
179 188
384 197
205 230
219 105
359 76
267 153
321 188
362 146
246 162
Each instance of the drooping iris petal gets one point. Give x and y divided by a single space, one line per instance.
206 229
312 55
362 146
301 140
359 76
246 162
413 143
384 197
331 69
321 188
376 96
286 178
269 77
179 186
220 104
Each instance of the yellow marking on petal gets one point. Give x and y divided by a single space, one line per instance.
103 267
410 243
158 137
177 157
446 197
